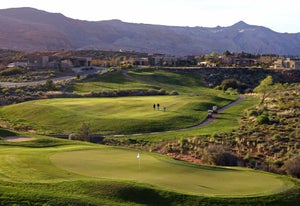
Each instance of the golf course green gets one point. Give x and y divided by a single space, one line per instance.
169 174
124 115
85 161
42 170
61 172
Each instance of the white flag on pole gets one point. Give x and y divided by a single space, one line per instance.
138 156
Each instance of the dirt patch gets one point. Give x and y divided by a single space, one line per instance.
18 139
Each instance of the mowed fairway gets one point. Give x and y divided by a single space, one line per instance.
126 115
169 174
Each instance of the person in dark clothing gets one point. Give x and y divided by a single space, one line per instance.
157 106
153 106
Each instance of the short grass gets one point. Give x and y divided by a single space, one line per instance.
225 122
109 82
183 82
126 115
58 172
168 174
143 79
49 171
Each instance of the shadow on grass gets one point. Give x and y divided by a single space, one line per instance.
6 133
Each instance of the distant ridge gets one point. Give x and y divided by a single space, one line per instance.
29 29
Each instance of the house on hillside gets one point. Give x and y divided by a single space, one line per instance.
57 62
238 60
37 62
286 63
156 60
139 61
17 64
268 59
81 61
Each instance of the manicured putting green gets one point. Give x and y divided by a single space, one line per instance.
169 174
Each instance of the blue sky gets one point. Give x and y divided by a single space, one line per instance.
280 16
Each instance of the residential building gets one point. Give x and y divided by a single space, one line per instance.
286 63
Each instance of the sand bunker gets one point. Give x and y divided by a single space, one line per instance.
18 139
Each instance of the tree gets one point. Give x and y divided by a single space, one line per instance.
229 83
214 54
265 88
226 53
84 133
50 85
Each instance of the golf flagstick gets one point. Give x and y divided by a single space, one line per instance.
139 159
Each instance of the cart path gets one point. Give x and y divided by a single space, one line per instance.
206 122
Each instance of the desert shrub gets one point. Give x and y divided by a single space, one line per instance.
50 85
11 71
84 133
229 83
263 119
218 87
174 93
152 92
5 90
231 91
278 163
18 91
252 112
292 166
218 155
277 137
162 92
72 136
183 144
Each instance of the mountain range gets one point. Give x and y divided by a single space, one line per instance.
29 29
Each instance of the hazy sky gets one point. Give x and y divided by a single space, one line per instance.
279 15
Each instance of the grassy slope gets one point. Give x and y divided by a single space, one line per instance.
112 163
225 122
27 175
111 81
48 184
142 79
127 115
111 115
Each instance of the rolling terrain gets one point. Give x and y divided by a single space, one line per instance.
60 172
33 30
40 170
126 115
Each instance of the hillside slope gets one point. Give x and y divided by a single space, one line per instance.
30 29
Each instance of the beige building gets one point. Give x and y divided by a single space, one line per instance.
286 63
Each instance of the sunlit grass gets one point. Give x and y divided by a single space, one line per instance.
127 115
